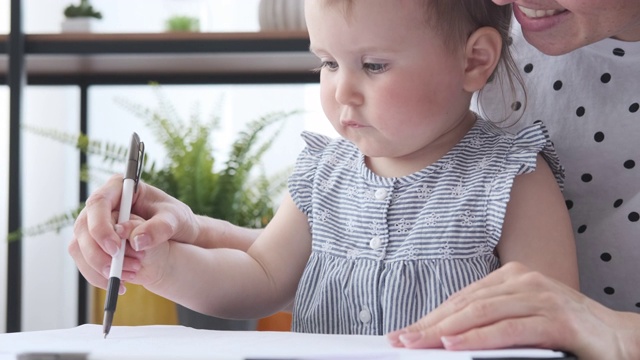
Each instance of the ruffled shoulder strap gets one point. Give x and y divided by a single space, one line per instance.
528 143
316 143
520 158
301 180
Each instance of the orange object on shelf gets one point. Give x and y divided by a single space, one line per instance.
277 322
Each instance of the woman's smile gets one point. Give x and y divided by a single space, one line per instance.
539 19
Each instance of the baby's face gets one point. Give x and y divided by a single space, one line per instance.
388 83
559 26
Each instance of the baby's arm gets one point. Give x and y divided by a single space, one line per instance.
235 284
216 233
537 229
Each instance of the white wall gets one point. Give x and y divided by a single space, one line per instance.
50 169
50 185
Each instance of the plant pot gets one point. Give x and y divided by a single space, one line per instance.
78 24
186 15
281 15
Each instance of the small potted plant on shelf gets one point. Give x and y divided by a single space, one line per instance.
182 23
79 18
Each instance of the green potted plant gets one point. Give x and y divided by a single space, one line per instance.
239 191
79 18
182 23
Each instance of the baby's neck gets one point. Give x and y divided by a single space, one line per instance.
395 167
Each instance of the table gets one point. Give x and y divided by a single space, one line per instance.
161 342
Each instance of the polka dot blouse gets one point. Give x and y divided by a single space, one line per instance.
590 102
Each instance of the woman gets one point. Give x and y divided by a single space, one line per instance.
587 93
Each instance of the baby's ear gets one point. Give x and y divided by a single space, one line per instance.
482 54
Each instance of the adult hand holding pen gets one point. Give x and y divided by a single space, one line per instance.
96 238
156 218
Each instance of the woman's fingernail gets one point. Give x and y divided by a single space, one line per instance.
122 290
140 242
409 337
450 342
111 248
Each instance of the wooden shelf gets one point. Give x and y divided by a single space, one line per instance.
255 57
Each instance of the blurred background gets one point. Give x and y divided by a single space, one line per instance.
50 170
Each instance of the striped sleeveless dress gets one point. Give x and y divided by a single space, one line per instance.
386 251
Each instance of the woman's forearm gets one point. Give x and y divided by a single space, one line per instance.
626 327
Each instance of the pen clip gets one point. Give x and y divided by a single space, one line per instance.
135 160
140 164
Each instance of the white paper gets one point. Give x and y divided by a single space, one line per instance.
179 342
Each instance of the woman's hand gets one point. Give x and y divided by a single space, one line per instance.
514 306
156 218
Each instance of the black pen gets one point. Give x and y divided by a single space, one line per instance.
129 187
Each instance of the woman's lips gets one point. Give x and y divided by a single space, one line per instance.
538 19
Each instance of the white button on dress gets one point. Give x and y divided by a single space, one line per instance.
375 243
381 194
365 316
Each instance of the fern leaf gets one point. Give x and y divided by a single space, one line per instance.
55 223
239 193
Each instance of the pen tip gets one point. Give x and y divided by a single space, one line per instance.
105 335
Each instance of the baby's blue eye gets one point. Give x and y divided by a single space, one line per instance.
374 68
331 65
